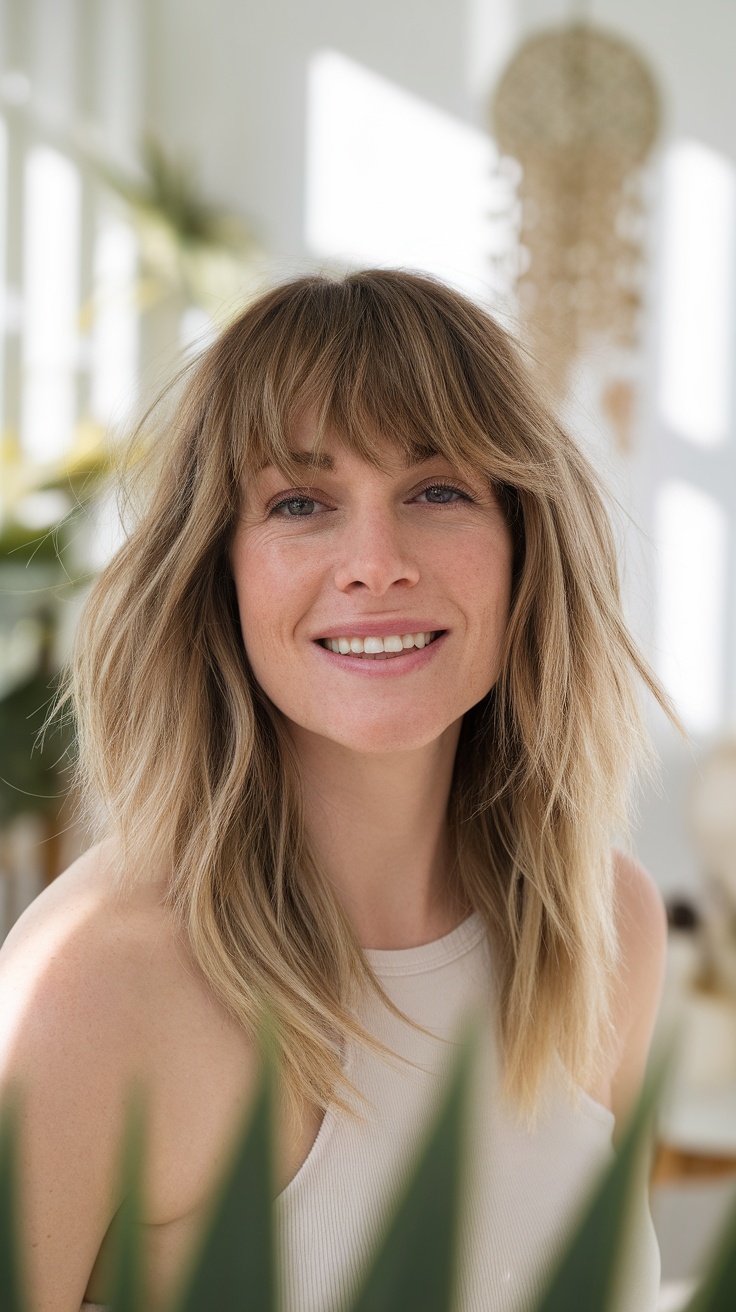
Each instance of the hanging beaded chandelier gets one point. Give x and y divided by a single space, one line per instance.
579 110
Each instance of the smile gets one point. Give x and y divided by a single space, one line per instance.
377 648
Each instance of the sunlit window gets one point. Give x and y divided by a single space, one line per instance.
698 293
3 276
691 531
51 302
392 180
115 323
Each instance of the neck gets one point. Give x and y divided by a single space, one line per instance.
378 825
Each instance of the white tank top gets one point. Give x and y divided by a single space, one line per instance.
524 1190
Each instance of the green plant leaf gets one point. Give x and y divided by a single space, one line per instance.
12 1297
717 1290
32 769
585 1278
127 1281
415 1266
166 189
235 1269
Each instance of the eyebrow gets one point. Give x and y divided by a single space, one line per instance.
307 460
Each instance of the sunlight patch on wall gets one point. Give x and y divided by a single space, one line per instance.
691 531
391 180
51 303
114 336
698 293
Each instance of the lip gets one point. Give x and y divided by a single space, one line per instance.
392 626
413 658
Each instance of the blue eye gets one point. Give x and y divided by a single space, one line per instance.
304 507
442 494
295 507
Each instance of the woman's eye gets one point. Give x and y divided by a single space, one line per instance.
303 507
294 507
441 494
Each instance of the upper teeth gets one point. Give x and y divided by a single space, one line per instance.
373 646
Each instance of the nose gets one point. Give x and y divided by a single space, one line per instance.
375 554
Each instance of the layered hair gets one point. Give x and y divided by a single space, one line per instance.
194 765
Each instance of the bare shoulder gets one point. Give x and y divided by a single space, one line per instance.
74 1012
642 930
641 904
98 993
99 979
79 950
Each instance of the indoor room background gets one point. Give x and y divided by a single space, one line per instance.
162 161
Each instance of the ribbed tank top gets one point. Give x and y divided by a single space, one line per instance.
524 1189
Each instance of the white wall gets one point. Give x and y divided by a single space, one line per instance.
227 80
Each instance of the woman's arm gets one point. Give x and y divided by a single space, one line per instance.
69 1026
642 924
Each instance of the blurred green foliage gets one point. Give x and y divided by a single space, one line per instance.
200 252
41 569
192 253
414 1268
36 580
33 777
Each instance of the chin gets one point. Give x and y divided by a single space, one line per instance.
384 735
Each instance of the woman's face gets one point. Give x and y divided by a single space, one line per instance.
358 554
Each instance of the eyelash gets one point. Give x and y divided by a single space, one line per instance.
302 495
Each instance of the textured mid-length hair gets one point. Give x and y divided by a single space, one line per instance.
194 766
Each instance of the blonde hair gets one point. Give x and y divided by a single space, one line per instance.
192 762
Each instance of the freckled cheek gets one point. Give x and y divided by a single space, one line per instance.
482 584
272 598
482 587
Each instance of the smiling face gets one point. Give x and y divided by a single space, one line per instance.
357 554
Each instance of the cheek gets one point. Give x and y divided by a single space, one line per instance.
481 580
273 594
256 585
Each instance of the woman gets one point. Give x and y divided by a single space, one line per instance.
355 698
